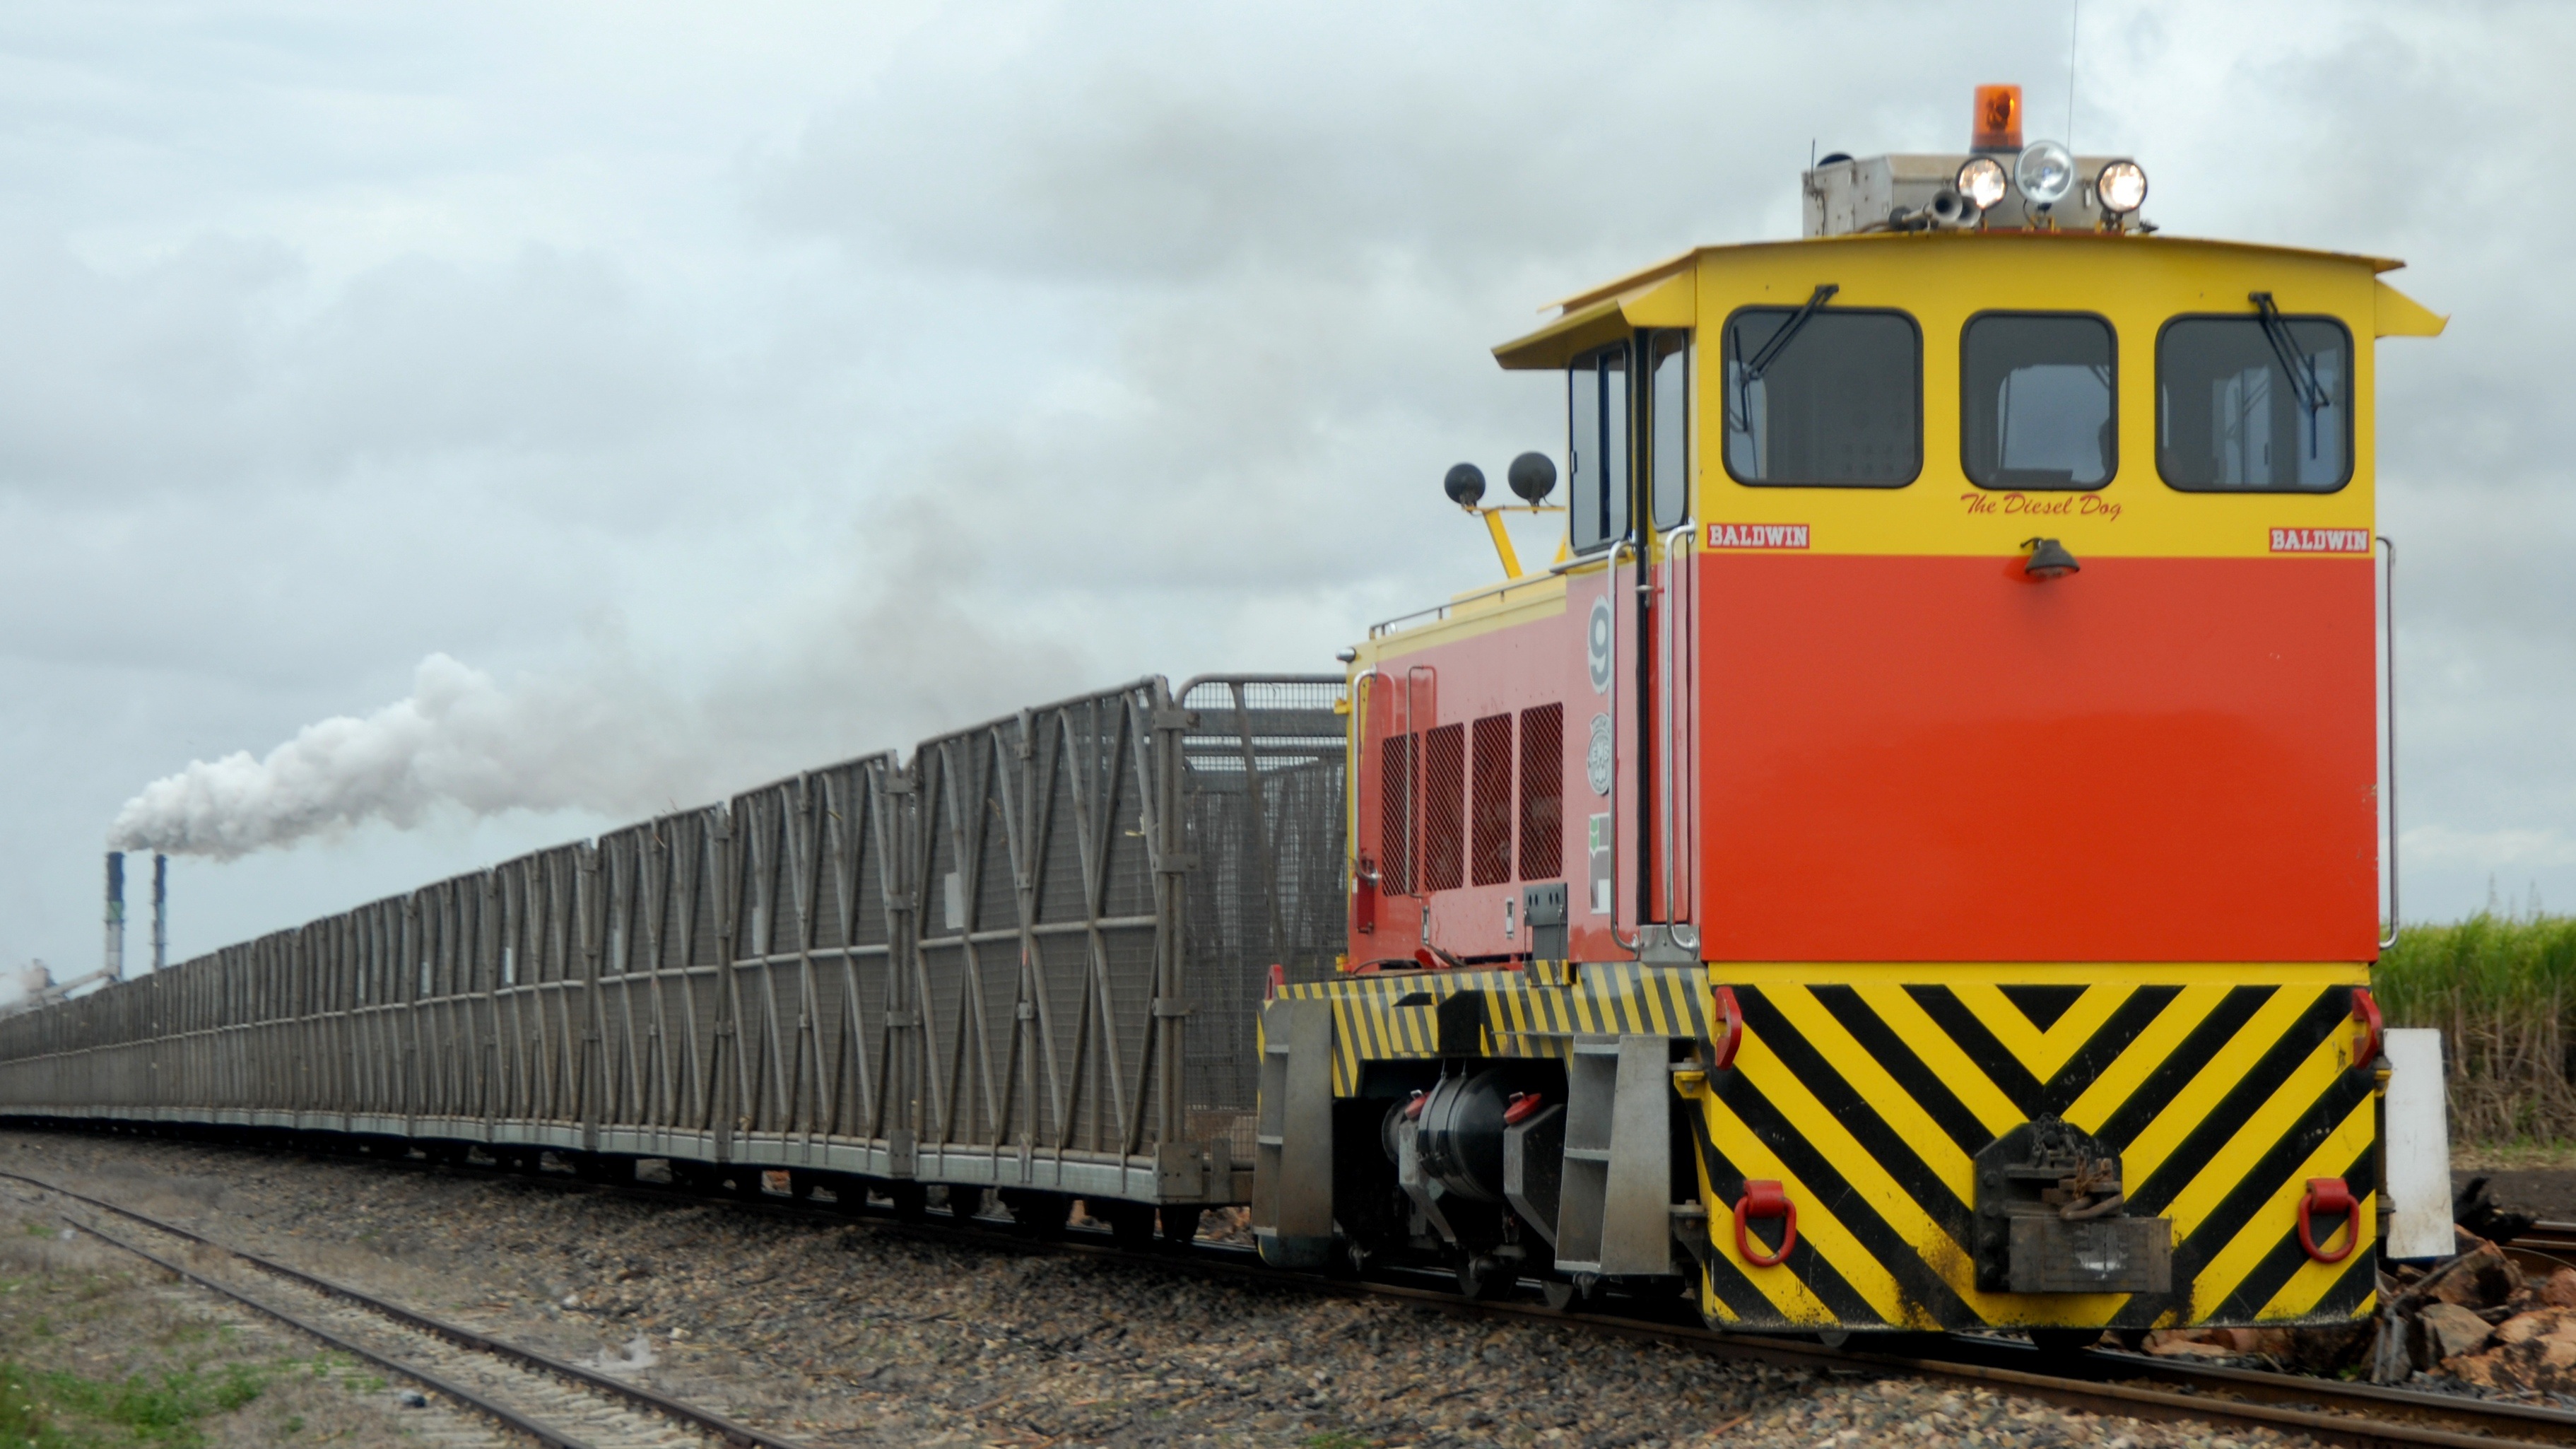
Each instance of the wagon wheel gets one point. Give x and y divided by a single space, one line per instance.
1131 1224
1484 1278
1037 1215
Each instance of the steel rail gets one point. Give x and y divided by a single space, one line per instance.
2365 1416
728 1430
2544 1247
507 1416
2372 1417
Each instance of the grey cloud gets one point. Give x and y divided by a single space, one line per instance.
1153 150
110 380
222 368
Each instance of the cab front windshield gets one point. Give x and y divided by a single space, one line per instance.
2255 404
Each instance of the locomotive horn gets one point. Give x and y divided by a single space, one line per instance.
1533 476
1465 485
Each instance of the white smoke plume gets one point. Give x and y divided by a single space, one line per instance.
824 674
603 742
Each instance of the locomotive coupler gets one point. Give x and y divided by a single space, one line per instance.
2050 1219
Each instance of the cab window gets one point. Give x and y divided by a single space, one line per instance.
2037 403
1597 448
2255 403
1822 396
1668 355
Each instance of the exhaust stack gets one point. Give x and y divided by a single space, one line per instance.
160 910
114 967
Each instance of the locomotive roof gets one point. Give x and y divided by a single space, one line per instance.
1657 295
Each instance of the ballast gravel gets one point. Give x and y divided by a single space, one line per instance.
850 1334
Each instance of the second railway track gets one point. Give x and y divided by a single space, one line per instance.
555 1403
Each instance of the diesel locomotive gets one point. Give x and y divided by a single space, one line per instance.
1911 860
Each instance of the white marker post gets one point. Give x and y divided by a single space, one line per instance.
2418 1146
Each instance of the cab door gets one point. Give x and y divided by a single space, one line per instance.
1630 456
1601 471
1669 630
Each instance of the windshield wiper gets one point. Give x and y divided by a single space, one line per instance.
1750 370
2300 366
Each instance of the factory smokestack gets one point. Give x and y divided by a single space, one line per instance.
115 964
160 910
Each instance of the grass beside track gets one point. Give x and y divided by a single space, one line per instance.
2502 989
95 1355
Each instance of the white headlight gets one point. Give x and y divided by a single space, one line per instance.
1982 181
2045 173
2122 187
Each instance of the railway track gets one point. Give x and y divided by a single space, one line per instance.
2544 1247
2095 1381
557 1404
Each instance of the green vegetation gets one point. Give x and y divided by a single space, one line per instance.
22 1419
92 1357
2502 989
163 1409
160 1410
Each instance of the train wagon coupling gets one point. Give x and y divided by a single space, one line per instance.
1911 861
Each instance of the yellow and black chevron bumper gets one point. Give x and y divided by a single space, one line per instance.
1867 1093
1533 1013
1868 1099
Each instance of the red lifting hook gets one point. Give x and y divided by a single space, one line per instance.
1733 1035
2365 1048
1765 1199
2329 1195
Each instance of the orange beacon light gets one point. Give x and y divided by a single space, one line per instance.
1998 124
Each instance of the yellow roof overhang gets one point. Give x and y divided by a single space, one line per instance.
2403 316
1668 298
1665 295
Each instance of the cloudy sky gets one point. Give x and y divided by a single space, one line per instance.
596 408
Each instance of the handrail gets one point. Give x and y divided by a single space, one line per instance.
2388 612
1673 615
1439 611
1416 773
1352 771
1610 592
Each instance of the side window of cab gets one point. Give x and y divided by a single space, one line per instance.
1597 446
1668 364
1609 420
